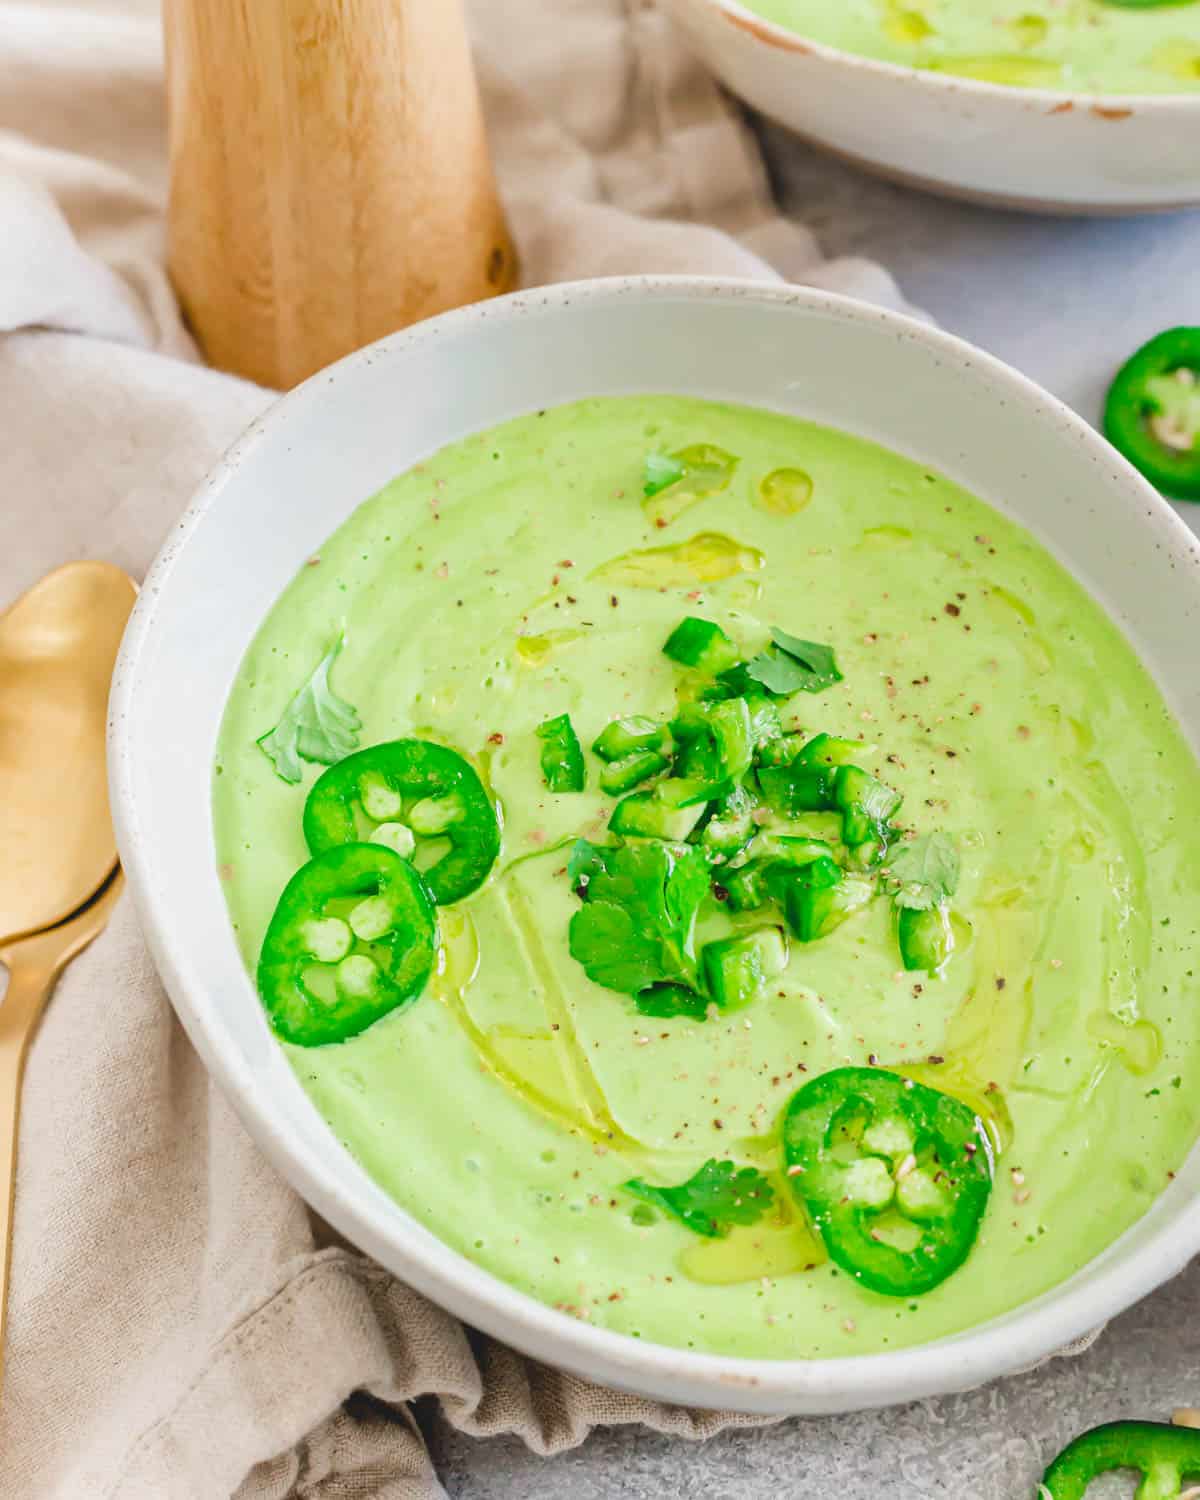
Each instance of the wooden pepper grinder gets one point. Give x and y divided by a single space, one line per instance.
330 176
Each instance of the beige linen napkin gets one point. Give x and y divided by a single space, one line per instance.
179 1330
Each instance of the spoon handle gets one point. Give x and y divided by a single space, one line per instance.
34 965
30 982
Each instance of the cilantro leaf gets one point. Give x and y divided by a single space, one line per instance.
316 725
719 1196
790 665
925 872
637 926
660 473
687 886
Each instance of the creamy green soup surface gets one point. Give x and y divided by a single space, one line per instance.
1087 46
497 585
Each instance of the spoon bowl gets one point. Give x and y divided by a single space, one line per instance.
58 643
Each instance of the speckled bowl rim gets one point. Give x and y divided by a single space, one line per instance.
1020 1339
1051 101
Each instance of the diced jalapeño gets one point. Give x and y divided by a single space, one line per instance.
829 750
737 968
561 755
784 849
730 725
732 825
746 887
792 790
818 897
701 644
623 775
865 804
624 736
780 752
765 723
716 740
665 813
926 938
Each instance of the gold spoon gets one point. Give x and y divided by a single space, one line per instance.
59 879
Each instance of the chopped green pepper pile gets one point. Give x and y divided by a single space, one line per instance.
706 818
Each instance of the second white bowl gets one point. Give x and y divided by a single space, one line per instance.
1011 147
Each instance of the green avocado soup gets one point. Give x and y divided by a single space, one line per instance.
521 575
1081 46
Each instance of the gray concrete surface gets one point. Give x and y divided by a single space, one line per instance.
987 1445
1065 301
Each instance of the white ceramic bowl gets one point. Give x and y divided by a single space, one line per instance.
306 464
1036 149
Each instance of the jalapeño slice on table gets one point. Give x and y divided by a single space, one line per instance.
352 938
1165 1456
400 793
1152 414
894 1175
